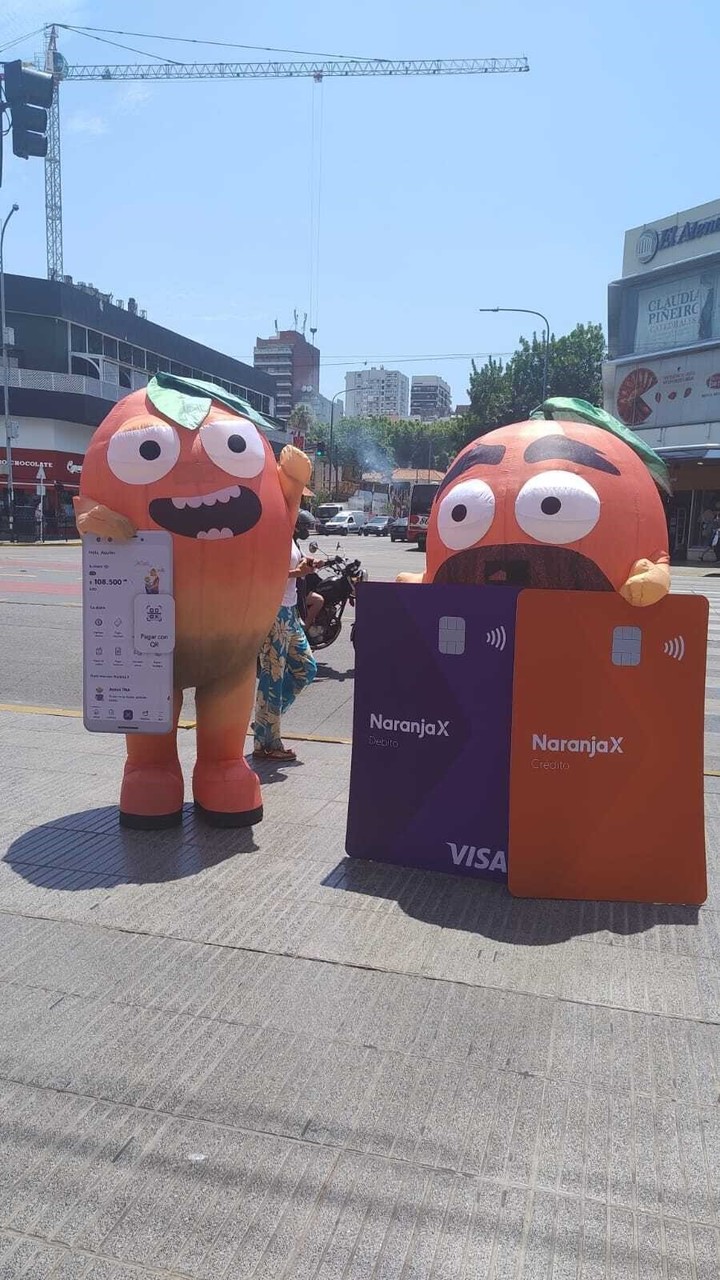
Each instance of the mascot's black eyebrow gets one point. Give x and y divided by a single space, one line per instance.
557 448
488 455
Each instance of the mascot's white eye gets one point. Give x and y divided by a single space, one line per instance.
557 507
235 446
144 453
465 514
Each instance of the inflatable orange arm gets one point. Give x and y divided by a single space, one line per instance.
93 517
294 471
649 581
410 577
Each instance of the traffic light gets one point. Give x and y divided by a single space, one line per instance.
320 449
28 95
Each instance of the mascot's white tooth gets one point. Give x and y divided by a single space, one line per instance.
234 491
210 499
213 534
202 534
224 495
226 533
179 503
195 502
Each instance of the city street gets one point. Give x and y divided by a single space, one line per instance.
240 1054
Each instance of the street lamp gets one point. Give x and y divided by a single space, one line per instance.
332 426
6 381
525 311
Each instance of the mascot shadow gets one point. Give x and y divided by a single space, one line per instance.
90 850
488 910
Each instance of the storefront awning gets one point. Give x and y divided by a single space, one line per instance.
689 452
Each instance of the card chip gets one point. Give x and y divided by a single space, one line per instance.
626 646
451 635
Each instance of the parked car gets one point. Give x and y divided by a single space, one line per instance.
398 530
378 527
345 522
326 512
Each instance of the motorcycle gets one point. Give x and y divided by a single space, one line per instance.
337 590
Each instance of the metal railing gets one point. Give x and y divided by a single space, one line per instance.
70 383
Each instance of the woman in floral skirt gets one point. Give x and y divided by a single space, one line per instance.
286 666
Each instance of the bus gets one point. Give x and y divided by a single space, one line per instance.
421 500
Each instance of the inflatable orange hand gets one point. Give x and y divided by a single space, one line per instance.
187 457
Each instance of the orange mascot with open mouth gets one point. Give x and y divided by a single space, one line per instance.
568 501
185 456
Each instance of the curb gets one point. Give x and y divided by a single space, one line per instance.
61 542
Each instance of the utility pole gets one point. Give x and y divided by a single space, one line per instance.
6 382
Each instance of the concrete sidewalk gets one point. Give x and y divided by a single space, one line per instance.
238 1054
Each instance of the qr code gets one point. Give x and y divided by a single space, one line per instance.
154 615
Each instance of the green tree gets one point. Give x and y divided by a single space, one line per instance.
301 419
574 368
503 394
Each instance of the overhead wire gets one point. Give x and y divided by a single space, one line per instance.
10 44
391 360
219 44
143 53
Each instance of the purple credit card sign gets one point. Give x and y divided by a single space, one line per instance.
431 734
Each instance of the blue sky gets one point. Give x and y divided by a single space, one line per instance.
436 197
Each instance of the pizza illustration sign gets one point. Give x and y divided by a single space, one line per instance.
672 391
633 409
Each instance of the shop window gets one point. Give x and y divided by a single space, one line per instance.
152 360
126 378
86 368
78 337
125 353
110 347
138 358
163 364
95 343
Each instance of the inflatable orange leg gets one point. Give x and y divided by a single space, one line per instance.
226 791
153 790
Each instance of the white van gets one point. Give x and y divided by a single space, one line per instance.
346 522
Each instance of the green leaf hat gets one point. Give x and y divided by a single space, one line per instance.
567 409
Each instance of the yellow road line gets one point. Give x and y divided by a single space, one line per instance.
72 713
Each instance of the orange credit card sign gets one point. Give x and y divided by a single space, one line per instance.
606 777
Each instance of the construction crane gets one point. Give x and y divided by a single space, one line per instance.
61 71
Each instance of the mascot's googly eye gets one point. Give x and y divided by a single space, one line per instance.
235 446
465 514
557 507
143 453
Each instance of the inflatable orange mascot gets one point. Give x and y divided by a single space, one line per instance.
186 456
567 500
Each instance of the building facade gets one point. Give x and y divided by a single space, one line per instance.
293 363
376 393
430 397
72 354
321 407
662 376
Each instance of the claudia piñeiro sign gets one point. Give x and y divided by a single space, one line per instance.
431 735
678 314
670 391
606 782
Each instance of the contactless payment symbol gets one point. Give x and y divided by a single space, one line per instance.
675 648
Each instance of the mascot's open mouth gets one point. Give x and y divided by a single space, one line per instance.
521 565
222 514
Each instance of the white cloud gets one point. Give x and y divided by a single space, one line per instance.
83 122
133 96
